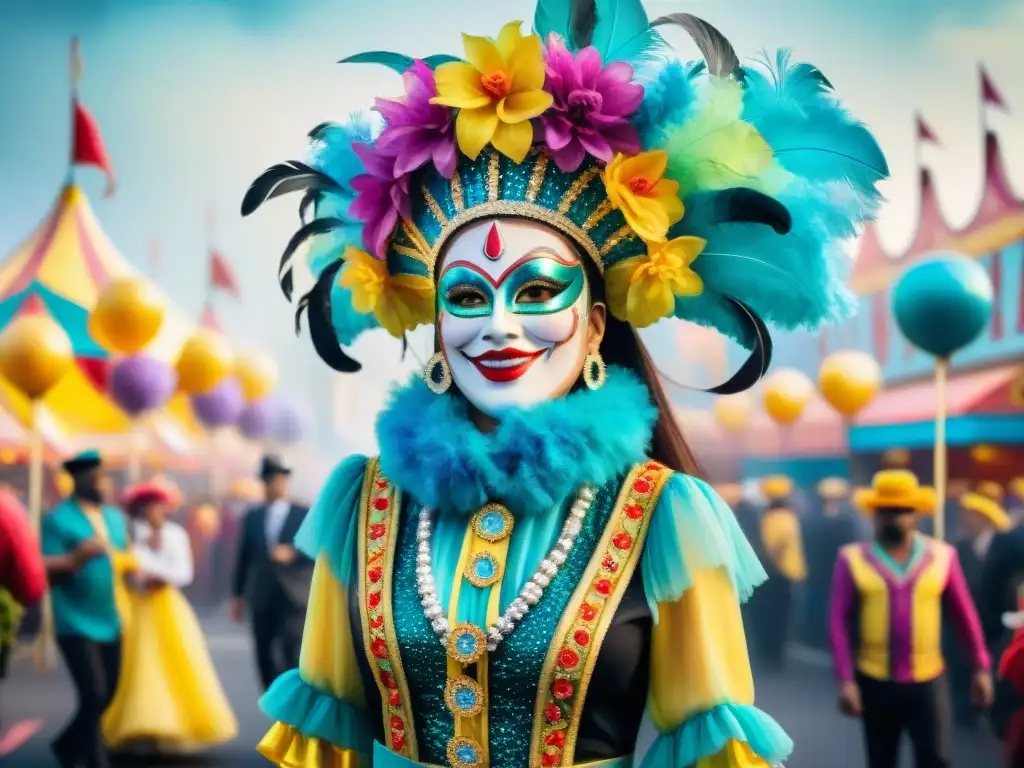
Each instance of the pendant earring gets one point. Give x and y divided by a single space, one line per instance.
437 374
595 372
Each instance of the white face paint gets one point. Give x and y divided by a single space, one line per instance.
513 314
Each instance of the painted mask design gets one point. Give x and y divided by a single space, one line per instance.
513 313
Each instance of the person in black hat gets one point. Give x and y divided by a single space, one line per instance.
85 543
272 578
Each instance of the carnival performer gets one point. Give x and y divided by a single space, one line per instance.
530 563
85 546
168 698
1011 671
894 590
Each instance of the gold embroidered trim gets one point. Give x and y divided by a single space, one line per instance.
571 657
433 205
536 181
456 187
622 233
580 183
493 176
378 537
409 251
422 250
599 213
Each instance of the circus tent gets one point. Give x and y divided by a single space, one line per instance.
60 270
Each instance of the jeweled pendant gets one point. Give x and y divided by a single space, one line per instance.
466 643
464 753
464 696
483 570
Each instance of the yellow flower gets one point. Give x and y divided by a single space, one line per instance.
399 302
637 186
497 90
642 290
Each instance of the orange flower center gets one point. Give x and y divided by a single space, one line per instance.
641 186
497 83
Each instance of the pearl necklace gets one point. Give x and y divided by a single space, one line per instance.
529 595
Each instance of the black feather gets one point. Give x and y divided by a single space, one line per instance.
714 46
582 21
317 133
309 202
282 179
317 306
405 345
748 206
314 228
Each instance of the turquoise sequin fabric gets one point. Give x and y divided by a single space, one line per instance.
516 666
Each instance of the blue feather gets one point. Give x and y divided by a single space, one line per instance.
398 62
553 17
623 32
348 323
669 99
811 135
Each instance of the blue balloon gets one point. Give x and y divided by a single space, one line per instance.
943 304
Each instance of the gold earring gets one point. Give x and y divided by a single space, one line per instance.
437 374
595 372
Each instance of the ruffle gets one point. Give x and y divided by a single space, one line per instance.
726 727
332 524
693 529
316 714
286 747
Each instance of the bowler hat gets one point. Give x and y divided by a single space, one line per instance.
273 465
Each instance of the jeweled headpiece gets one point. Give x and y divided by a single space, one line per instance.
706 191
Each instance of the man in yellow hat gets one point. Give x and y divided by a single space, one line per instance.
894 589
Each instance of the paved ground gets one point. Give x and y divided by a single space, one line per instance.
802 700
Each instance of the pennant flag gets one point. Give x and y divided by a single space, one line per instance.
87 147
924 132
209 319
989 93
222 277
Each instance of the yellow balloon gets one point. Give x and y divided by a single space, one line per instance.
849 381
63 483
127 316
204 362
35 353
257 373
206 519
785 395
732 412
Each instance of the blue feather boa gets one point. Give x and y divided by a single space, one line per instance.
533 460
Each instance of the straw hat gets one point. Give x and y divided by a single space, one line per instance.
834 489
991 490
897 488
776 487
1016 487
988 509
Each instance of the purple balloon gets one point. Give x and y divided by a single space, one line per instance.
256 421
289 424
140 383
220 406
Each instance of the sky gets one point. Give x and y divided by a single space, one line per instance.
196 97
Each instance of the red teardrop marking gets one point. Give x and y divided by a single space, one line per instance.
493 246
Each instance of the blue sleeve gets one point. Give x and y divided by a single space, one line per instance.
53 539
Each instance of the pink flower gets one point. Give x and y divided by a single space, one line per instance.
381 197
418 131
592 106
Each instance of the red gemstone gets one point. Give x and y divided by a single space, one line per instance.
588 612
553 713
377 530
397 723
604 586
568 658
581 636
622 540
379 648
375 574
494 247
562 689
393 698
388 680
609 564
641 486
382 484
634 511
377 622
550 758
555 739
653 465
397 740
381 504
373 600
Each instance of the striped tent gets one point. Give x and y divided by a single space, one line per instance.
60 270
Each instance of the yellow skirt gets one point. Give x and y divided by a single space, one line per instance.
168 695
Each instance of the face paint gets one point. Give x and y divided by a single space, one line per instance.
513 326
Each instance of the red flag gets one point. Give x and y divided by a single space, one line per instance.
221 275
989 94
209 320
925 133
88 148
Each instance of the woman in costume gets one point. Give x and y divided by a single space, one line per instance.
168 698
530 563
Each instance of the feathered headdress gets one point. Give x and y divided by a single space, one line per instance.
708 191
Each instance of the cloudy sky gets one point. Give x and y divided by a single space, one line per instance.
196 97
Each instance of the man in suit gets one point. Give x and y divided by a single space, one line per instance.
272 578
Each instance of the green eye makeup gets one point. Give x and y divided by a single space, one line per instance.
539 286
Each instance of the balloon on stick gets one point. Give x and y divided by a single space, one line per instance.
140 384
256 421
849 381
204 362
289 425
128 315
221 406
941 305
732 412
785 395
257 373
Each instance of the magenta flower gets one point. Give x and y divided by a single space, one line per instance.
418 131
381 197
592 106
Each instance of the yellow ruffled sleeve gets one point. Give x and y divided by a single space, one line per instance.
697 566
319 708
